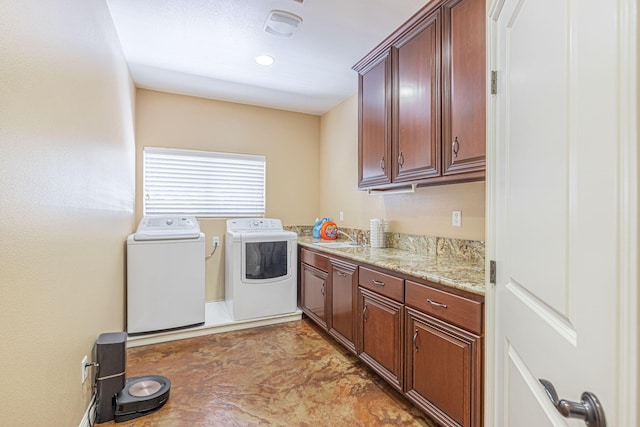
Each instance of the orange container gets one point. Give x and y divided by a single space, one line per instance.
329 231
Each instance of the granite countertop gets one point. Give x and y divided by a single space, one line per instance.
450 271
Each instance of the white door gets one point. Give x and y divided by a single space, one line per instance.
562 209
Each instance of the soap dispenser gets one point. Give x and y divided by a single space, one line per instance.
316 228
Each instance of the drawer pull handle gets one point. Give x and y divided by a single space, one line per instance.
322 289
415 337
341 274
364 312
377 283
430 301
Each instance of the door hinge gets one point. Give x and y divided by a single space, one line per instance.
492 272
494 82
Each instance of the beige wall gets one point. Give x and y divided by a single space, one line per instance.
428 211
311 169
66 202
289 141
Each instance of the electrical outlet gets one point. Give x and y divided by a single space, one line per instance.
456 218
341 216
84 367
216 241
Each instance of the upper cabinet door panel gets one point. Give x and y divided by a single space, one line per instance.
423 100
375 126
464 86
416 115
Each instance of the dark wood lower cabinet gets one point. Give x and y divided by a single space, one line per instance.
314 294
422 338
344 283
443 370
380 325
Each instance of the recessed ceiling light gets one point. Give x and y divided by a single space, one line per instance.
265 60
282 23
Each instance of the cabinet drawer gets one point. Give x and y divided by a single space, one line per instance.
314 259
383 284
451 308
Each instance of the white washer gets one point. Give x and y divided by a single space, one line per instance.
260 268
165 274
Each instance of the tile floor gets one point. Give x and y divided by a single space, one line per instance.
290 374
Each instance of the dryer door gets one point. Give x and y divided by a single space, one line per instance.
266 258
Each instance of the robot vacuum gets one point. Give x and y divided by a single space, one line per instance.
141 396
123 399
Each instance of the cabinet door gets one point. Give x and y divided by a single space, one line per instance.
464 86
374 147
380 324
444 374
416 142
344 284
314 290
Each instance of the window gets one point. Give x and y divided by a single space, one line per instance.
203 183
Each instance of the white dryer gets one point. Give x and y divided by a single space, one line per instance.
165 274
260 268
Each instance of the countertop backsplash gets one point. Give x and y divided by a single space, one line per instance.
468 250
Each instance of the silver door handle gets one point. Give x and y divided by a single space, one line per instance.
589 409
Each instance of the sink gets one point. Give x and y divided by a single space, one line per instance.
335 245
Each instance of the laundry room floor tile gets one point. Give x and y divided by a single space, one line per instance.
288 374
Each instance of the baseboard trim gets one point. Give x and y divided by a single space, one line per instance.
217 321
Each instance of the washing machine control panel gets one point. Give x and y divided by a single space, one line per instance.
167 227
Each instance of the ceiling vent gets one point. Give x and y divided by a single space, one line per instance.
282 24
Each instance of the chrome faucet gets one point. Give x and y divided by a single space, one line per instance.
353 239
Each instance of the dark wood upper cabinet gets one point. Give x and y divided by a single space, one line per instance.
464 83
422 100
416 122
374 122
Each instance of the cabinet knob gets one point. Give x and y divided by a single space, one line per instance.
400 160
455 146
382 163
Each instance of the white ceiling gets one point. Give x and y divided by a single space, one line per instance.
207 48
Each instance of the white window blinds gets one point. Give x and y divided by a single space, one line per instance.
202 183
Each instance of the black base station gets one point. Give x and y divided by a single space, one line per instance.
119 399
